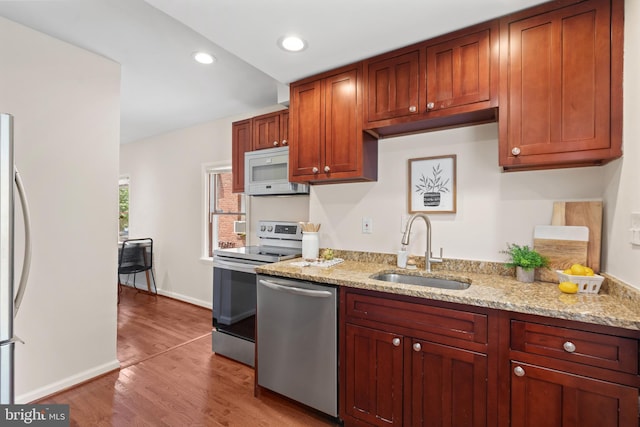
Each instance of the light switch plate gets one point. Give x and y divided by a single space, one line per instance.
635 229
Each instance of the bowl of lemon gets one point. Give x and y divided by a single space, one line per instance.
583 277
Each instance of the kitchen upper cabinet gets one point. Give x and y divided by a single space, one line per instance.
405 362
459 72
392 83
327 142
270 130
448 81
561 85
240 143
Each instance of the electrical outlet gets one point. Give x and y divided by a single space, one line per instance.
367 225
635 229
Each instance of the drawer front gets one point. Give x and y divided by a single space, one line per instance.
589 348
461 325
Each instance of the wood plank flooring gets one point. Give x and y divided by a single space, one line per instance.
170 377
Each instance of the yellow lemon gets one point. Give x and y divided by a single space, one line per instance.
588 271
568 287
567 271
577 270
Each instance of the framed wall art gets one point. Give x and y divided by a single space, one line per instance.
432 184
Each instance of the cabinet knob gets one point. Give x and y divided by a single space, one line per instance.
515 151
413 109
275 143
518 371
395 342
314 170
430 106
285 142
569 347
327 169
417 347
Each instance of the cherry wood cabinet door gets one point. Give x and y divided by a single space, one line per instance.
240 143
343 129
284 128
448 386
392 86
458 71
557 103
373 376
547 397
266 131
306 121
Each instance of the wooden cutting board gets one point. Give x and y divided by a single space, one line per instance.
563 245
588 214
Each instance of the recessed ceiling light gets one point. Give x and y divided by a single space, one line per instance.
292 43
204 57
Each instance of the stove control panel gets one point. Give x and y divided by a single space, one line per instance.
279 230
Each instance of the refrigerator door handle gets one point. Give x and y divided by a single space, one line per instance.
26 264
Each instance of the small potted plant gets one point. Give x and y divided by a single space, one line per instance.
525 260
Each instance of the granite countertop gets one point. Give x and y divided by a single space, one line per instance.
492 286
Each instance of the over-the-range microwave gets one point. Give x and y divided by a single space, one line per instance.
266 173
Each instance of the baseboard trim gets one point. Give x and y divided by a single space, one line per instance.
185 298
68 382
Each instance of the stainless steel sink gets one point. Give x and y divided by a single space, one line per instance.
433 282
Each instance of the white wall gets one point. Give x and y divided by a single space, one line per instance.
493 208
623 177
166 202
67 122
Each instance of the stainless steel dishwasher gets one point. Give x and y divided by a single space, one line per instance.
297 341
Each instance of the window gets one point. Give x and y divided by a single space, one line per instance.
225 211
123 228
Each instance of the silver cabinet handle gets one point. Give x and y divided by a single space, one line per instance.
430 106
275 143
285 142
515 151
395 342
519 371
417 347
314 170
327 169
569 347
413 109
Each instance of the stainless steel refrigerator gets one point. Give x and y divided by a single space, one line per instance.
10 295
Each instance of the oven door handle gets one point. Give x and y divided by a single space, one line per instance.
294 290
243 267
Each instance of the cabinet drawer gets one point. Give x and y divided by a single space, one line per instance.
448 322
589 348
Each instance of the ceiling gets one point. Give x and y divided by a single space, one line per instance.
163 89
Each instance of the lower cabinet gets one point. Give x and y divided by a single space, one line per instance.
396 377
547 397
407 361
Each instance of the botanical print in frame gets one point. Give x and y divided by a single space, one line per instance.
432 184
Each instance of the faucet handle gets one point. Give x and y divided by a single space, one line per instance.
432 259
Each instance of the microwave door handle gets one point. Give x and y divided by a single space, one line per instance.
296 291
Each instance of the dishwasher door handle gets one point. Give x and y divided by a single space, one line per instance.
294 290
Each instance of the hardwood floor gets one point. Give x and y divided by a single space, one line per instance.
170 377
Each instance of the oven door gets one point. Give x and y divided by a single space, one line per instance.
234 309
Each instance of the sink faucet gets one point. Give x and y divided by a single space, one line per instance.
405 240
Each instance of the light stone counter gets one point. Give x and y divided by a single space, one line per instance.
492 286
